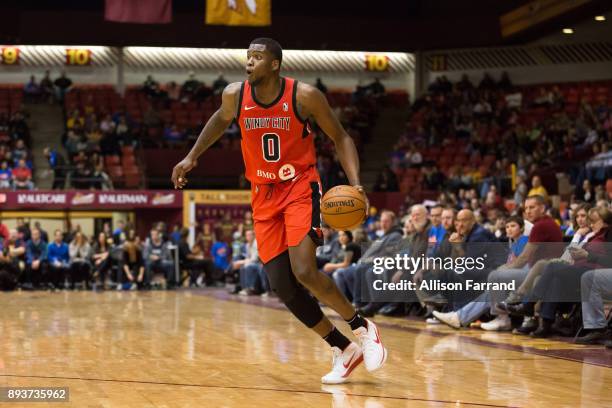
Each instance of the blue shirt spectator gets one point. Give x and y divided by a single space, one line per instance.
220 255
57 251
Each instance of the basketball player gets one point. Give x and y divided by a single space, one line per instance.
273 113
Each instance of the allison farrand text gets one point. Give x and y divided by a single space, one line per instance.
438 285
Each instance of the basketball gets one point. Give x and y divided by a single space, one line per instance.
343 208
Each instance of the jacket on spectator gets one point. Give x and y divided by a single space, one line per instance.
603 258
79 253
387 245
160 250
36 251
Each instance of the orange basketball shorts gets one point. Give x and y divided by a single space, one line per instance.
285 213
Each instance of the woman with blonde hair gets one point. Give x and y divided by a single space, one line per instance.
80 260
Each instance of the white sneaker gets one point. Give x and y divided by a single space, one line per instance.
451 318
432 320
343 363
374 353
500 323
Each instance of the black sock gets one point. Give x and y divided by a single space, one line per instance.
357 321
337 339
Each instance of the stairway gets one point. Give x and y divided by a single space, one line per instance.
46 125
386 132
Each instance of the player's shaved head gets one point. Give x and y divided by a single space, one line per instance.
268 44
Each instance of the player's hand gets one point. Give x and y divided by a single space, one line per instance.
180 170
365 198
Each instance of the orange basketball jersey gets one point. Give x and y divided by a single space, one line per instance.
277 144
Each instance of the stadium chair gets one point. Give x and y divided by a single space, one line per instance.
132 181
127 150
128 160
113 160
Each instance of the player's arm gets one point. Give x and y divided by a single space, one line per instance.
213 130
312 103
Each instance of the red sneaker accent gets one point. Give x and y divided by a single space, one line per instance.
352 367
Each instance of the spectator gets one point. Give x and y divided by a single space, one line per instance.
58 260
4 232
63 84
158 259
252 276
330 248
31 90
219 85
350 279
386 181
194 262
36 260
133 265
80 260
6 176
58 165
43 234
220 255
22 177
46 87
537 188
348 255
173 135
101 259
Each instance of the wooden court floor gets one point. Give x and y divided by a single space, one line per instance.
207 349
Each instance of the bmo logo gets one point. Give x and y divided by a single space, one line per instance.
266 174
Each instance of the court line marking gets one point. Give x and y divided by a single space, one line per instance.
53 377
485 343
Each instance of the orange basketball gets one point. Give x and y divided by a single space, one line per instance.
343 208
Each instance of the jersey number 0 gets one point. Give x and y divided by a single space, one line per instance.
270 145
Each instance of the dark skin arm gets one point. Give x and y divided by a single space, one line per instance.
216 125
312 103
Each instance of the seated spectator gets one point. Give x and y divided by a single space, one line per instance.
6 176
31 90
219 85
559 282
386 181
252 276
330 248
58 260
36 261
158 259
101 259
544 230
15 249
22 177
20 151
173 91
80 260
220 255
348 255
350 279
150 86
173 135
133 265
76 121
537 188
194 262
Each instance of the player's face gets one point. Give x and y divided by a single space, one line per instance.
260 64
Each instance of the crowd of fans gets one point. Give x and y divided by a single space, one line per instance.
460 136
15 157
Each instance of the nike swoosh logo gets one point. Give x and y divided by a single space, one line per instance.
249 107
377 340
347 365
